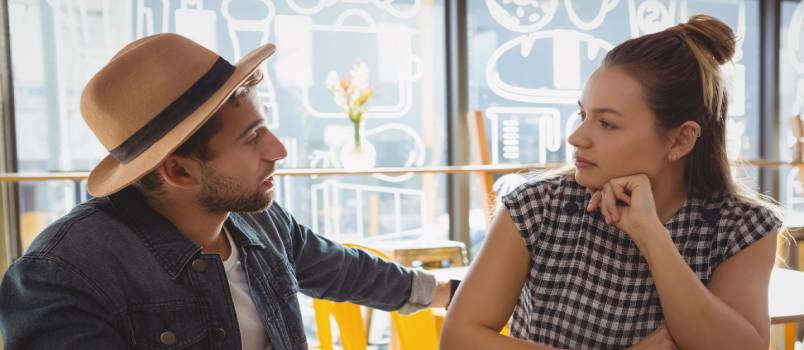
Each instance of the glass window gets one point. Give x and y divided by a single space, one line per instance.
791 103
530 60
58 45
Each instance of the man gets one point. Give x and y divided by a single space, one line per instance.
182 246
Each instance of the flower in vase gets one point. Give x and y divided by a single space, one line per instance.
352 94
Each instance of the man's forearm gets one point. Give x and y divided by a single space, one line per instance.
426 292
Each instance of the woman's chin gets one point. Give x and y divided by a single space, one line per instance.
587 181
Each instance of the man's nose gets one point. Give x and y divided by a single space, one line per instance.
275 150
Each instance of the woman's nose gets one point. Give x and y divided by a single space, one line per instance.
577 138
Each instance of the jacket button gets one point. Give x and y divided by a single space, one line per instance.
168 338
219 334
199 265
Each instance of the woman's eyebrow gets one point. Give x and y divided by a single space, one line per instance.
602 110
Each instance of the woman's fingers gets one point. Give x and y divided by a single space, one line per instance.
605 200
619 191
602 205
594 202
610 204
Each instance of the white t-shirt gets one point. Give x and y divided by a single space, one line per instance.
252 332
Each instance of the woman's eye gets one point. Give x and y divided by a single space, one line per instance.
607 125
583 115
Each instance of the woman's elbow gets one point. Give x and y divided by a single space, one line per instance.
452 337
449 339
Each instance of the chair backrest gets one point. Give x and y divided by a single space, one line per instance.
415 332
349 320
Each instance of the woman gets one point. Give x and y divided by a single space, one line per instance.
648 243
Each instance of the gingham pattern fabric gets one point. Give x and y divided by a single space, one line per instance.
589 287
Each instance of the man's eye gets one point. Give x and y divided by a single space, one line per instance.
253 139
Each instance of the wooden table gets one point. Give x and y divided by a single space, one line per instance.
785 293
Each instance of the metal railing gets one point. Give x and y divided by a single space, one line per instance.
446 169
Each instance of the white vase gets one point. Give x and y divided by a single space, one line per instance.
357 153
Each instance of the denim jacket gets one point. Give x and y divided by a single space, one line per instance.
114 274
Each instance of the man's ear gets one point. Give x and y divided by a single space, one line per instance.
684 138
180 171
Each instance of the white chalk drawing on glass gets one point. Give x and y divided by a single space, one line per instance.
197 23
281 195
522 16
404 136
542 126
566 63
86 36
734 72
606 6
650 16
145 17
526 16
570 50
394 54
795 56
242 33
350 211
395 8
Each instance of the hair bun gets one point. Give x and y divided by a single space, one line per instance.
712 35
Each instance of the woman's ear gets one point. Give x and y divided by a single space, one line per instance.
180 172
684 139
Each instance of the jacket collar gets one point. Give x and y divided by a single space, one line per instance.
170 247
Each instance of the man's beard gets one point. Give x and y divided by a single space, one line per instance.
220 194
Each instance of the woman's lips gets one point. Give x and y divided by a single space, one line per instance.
583 163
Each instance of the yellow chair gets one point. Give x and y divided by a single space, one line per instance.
414 332
31 224
349 320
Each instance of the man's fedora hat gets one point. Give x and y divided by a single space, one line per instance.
151 97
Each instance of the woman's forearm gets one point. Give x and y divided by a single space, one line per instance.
478 337
696 318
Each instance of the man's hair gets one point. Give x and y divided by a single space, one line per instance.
197 146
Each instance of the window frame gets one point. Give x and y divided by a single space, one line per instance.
457 77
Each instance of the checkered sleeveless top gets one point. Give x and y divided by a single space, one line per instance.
589 287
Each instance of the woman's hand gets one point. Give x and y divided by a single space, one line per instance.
660 339
638 217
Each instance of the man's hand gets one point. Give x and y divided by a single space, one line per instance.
441 297
660 339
